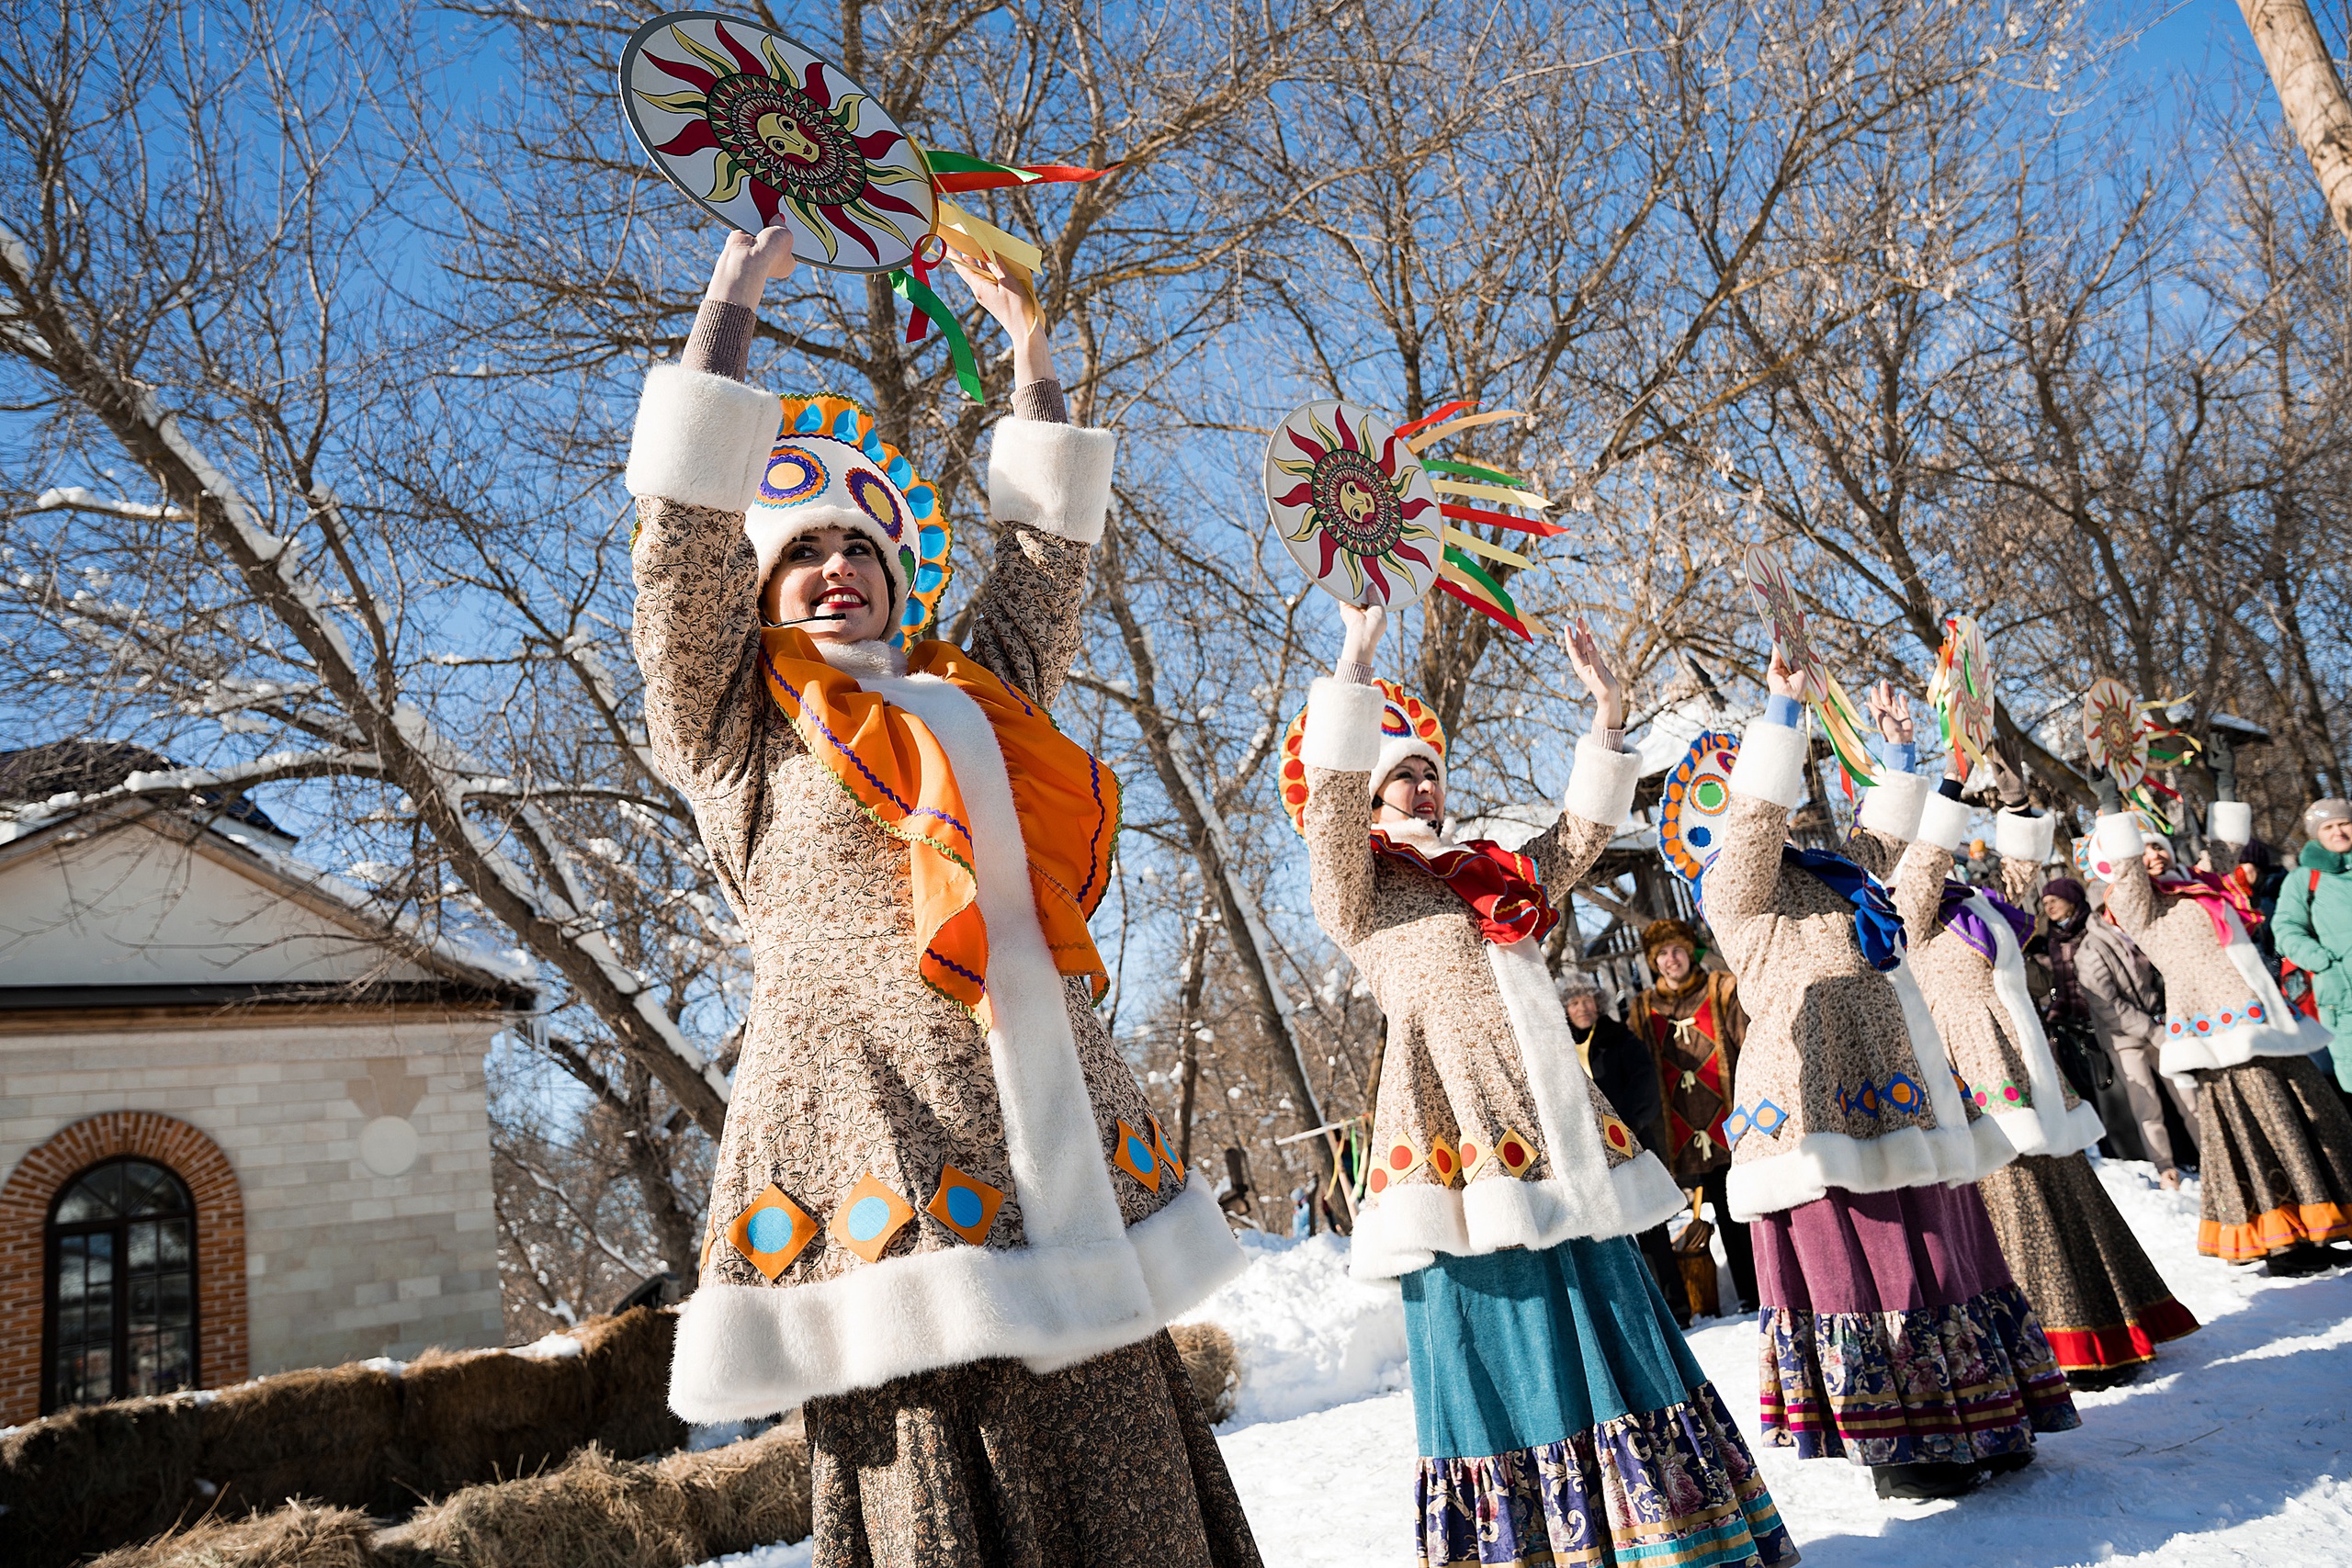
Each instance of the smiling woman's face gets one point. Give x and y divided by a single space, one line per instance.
835 576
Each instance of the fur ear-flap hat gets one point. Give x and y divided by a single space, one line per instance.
1659 934
829 470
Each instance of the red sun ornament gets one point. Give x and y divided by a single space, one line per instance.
760 131
1352 504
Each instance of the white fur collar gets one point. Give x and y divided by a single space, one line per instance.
1412 831
866 660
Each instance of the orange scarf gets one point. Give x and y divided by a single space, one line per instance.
888 759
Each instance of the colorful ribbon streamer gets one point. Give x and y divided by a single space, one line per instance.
958 171
924 303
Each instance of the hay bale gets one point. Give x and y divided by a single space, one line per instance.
300 1535
471 1417
595 1512
97 1476
625 1362
321 1433
1209 1360
748 1493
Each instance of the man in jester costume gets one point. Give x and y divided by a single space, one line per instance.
1561 1416
942 1220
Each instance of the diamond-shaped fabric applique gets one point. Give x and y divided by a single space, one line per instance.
1444 1164
1618 1136
965 1204
1513 1153
1397 1160
1766 1118
772 1232
1134 1156
869 1217
1167 1156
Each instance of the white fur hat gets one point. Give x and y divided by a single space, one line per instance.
815 482
1395 749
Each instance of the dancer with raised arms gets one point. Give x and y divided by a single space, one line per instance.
1560 1415
944 1221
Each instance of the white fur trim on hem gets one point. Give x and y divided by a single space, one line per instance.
2049 1128
1053 477
751 1350
1772 763
2292 1035
1943 821
701 440
1893 805
2232 821
1600 786
1963 1150
1342 729
1824 1160
2025 836
1408 1227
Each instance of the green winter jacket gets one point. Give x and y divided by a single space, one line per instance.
2313 931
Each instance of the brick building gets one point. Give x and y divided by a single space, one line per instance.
238 1134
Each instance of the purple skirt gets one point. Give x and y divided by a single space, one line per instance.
1894 1335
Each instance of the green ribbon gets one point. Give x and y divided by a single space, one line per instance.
1471 471
919 295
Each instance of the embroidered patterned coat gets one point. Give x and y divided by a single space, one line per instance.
1486 1133
1984 1012
2222 1007
1833 1088
1695 1037
895 1191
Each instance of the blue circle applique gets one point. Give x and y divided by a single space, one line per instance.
1140 1153
869 1217
769 1231
964 1206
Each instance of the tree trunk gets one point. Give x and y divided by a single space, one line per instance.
2312 93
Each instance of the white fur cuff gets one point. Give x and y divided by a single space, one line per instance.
1343 731
2117 837
2025 836
1943 821
2232 821
1053 477
1600 787
701 440
1772 763
1893 805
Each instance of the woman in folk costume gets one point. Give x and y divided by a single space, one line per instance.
1560 1415
942 1215
2273 1139
1693 1022
1893 1331
2103 1306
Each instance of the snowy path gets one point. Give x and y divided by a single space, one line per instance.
2235 1448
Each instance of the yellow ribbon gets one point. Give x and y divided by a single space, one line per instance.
1435 434
1477 546
1490 492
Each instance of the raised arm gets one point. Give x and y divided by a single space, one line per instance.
1767 783
1050 490
1889 820
1340 746
1601 785
1926 865
2131 898
701 441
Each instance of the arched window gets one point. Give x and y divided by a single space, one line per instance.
121 1286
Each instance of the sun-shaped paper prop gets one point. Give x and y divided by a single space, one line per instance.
1352 504
1961 689
1776 598
1403 714
2113 733
760 131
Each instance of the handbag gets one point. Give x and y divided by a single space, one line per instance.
2294 980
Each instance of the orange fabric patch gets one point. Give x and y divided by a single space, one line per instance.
775 1220
1444 1164
2273 1232
1377 1182
1398 1159
1167 1156
869 1218
1134 1154
969 1196
891 763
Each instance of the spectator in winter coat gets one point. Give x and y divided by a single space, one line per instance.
2314 922
2057 990
1623 1070
2126 998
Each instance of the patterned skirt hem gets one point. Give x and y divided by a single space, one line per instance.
2122 1345
1670 1488
1936 1385
2289 1224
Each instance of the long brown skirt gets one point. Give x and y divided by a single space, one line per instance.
1105 1464
2274 1159
2101 1301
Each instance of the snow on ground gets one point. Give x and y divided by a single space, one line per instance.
2235 1449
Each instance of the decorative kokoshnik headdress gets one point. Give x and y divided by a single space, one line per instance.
759 131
